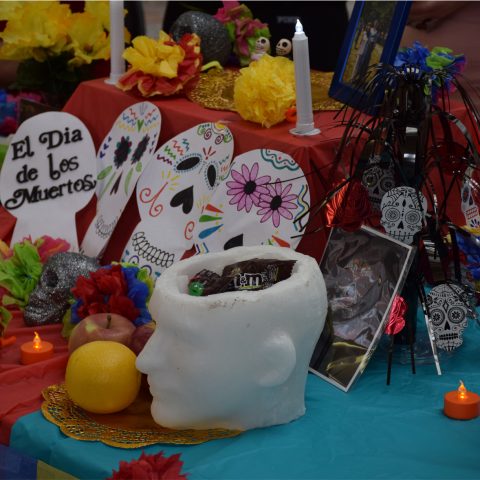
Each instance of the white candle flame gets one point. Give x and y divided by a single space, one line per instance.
298 26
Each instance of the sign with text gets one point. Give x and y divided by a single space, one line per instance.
48 175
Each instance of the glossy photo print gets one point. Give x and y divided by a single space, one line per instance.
363 272
372 37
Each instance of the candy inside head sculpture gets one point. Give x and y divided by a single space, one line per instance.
239 359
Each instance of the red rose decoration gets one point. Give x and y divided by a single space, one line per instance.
349 207
396 321
150 467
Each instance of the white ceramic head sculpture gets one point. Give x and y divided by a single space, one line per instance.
236 360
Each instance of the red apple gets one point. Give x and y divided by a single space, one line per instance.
101 326
140 337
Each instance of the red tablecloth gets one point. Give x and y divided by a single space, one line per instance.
21 385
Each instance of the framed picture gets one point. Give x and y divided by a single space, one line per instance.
373 36
363 272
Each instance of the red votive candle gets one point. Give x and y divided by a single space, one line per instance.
461 404
36 350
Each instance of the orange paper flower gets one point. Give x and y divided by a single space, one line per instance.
163 67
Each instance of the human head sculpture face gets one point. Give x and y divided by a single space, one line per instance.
234 360
50 299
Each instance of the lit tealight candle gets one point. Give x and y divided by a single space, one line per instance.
461 404
303 87
36 350
117 41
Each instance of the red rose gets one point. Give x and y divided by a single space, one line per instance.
349 207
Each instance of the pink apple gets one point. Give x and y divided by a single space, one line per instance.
101 326
140 337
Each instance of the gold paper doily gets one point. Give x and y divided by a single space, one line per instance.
134 427
214 90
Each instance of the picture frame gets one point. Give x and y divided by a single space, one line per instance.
363 271
373 36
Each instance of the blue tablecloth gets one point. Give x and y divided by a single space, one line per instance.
373 431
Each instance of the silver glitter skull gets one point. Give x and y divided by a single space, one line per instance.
283 47
403 215
469 206
448 305
378 182
50 299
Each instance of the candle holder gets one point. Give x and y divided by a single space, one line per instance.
36 350
461 404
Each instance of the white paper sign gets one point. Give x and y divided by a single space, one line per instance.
123 156
172 191
258 204
48 175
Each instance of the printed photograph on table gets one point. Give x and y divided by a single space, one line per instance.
373 36
363 271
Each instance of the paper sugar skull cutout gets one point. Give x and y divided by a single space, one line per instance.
49 169
378 182
283 47
403 213
448 305
236 360
172 191
50 299
257 203
123 156
262 46
470 192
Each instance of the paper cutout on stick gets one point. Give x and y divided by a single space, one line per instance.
449 308
123 156
257 203
48 175
172 192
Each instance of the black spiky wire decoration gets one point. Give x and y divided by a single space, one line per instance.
403 122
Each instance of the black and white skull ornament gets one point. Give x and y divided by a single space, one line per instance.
283 47
50 299
403 213
469 206
448 305
378 181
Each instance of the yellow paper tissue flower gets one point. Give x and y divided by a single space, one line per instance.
159 58
34 29
88 39
265 90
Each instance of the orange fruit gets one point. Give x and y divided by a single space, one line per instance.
101 377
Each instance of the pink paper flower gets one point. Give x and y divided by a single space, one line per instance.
277 203
247 188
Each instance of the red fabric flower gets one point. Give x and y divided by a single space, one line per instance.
105 291
396 321
349 207
150 467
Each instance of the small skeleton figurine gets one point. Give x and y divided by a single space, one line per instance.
284 48
262 46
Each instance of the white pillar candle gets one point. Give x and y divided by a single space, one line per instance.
117 41
303 88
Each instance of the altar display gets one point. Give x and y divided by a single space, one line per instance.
124 154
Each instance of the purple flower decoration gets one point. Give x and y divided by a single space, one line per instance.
277 203
247 188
